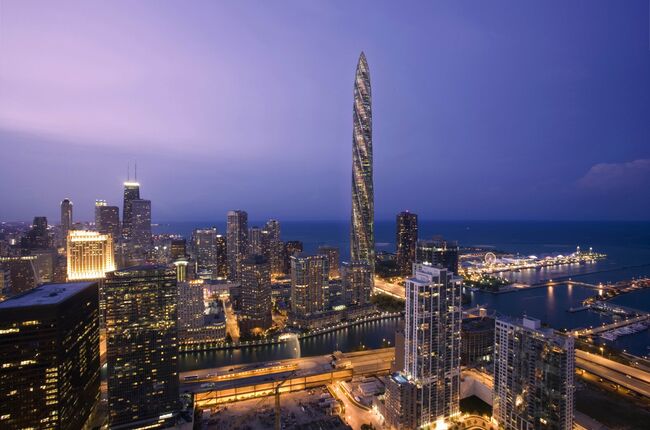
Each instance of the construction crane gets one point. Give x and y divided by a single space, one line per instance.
278 410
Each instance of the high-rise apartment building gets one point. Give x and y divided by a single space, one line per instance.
107 219
357 282
290 248
90 255
256 305
49 357
362 236
438 253
142 346
332 254
534 372
222 256
432 342
236 242
66 218
259 242
406 241
309 285
276 246
131 193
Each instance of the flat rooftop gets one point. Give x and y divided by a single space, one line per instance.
45 295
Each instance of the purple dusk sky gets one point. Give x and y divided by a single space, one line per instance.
481 110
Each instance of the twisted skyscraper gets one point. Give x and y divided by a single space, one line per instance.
362 240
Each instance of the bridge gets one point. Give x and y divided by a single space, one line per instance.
632 378
612 326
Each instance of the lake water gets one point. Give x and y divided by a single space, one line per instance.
627 245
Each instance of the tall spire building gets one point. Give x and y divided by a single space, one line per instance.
362 237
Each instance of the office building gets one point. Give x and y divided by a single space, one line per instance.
256 306
357 282
22 273
534 372
236 242
438 253
38 236
90 255
406 241
362 236
5 283
131 193
178 249
332 254
432 342
142 346
140 235
289 249
276 246
205 251
309 285
66 219
49 357
477 346
45 262
107 219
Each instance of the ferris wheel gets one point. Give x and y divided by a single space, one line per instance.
490 258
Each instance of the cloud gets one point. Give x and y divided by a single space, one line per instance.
616 176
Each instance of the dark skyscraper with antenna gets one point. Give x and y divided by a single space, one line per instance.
362 237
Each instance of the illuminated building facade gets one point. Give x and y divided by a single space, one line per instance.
362 236
309 285
107 219
276 246
142 346
236 242
49 357
432 342
255 293
357 282
90 255
406 241
66 218
332 255
438 253
534 372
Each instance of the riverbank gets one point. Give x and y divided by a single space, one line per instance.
285 337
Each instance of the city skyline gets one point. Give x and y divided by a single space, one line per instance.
536 115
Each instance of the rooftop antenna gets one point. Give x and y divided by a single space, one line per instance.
128 172
136 171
